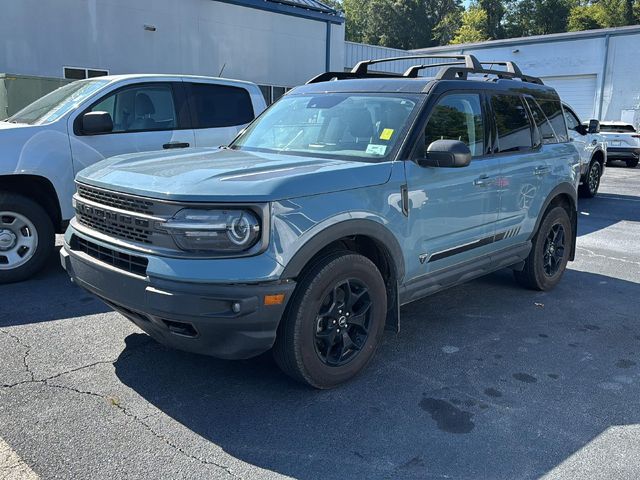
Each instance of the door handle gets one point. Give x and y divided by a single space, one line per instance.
541 170
482 181
169 145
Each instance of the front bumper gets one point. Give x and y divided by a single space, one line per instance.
228 321
623 153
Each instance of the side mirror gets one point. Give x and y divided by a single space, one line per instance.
447 154
96 122
594 126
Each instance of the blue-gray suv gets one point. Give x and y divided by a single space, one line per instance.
352 195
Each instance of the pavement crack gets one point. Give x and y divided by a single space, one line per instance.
25 356
125 411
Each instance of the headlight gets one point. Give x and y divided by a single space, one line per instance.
225 231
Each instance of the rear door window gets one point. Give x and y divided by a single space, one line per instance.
214 106
547 133
457 117
512 122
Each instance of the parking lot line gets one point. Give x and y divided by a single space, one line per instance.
12 467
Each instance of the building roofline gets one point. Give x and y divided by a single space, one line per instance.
553 37
288 7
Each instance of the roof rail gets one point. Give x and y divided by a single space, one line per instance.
457 70
327 76
512 71
361 67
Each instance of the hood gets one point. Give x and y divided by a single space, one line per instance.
9 125
223 175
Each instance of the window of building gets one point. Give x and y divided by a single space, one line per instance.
512 120
219 105
75 73
457 117
140 108
272 93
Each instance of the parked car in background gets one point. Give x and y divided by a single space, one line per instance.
45 144
342 202
623 142
592 148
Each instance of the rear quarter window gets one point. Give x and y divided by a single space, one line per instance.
214 106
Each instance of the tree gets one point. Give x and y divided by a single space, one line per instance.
537 17
445 31
495 10
474 26
398 23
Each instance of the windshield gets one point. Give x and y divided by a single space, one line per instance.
57 103
335 125
617 128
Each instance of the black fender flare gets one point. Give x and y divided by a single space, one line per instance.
569 190
347 228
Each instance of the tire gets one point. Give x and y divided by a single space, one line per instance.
27 237
536 273
591 183
314 320
632 163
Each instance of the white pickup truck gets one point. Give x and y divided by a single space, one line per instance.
592 148
45 144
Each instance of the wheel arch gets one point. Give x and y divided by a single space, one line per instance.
40 190
563 195
363 236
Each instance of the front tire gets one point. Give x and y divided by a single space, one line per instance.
550 251
591 183
334 322
26 237
632 163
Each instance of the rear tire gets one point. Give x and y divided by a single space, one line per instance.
549 254
632 163
334 322
27 237
591 183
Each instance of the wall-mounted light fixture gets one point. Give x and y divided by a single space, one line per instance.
150 28
515 51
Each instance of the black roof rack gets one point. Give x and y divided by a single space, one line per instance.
459 69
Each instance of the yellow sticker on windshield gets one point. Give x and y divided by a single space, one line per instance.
386 134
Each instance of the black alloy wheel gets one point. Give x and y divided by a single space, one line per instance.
342 324
554 250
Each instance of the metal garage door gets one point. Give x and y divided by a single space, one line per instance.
579 91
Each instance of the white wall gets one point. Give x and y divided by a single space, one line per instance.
193 37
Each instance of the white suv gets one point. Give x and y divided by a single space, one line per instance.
45 144
592 148
623 142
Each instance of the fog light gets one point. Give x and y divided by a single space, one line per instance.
235 307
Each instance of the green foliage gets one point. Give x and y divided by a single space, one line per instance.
400 23
412 24
537 17
474 26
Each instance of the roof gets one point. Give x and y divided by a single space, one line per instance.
309 4
554 37
310 9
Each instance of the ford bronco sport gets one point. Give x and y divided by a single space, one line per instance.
352 195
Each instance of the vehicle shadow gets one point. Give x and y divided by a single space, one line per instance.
63 299
485 380
604 210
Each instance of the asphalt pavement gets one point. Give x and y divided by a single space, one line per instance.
485 381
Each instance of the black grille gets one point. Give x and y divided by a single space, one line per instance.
123 261
116 200
113 227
